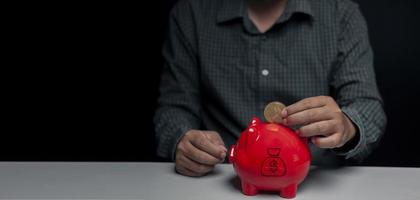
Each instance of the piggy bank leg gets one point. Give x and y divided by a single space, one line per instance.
248 189
289 191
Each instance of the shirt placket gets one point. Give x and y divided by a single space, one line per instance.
263 71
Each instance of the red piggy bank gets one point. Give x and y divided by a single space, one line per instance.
270 157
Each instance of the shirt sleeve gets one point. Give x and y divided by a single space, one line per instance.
178 104
354 86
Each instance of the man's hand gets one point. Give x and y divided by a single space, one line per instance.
321 119
198 152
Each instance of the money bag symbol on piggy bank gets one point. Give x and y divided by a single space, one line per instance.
270 157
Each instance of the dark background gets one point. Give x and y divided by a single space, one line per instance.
83 82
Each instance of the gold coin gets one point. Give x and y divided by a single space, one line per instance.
272 112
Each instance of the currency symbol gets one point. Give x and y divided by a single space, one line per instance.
273 166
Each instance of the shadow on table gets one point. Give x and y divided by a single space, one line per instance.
320 176
235 182
316 176
215 172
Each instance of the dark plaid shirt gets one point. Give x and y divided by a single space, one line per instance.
220 71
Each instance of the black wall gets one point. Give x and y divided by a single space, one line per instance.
395 37
84 87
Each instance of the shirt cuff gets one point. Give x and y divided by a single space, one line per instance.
356 119
169 141
170 128
181 132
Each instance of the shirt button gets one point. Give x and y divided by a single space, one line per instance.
265 72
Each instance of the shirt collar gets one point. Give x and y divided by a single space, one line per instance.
230 10
234 9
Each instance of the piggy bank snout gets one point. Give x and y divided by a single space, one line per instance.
232 154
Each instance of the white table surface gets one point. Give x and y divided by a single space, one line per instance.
101 180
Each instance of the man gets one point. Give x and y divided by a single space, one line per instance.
226 59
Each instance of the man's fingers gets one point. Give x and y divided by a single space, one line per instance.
215 138
308 116
325 128
202 142
333 141
194 166
308 103
196 154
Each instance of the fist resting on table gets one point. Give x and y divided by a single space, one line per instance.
198 152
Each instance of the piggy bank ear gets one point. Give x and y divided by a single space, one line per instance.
255 121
